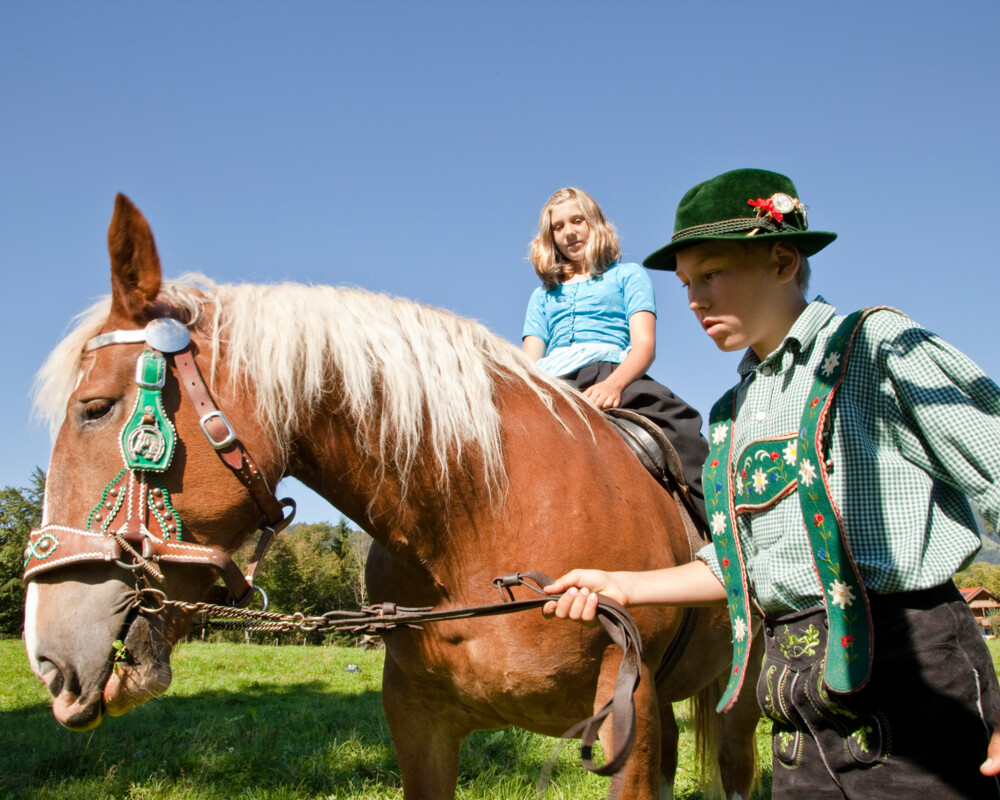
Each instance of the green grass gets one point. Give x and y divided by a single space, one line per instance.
251 722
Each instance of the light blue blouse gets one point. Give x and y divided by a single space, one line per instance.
594 311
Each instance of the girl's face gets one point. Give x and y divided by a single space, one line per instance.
570 232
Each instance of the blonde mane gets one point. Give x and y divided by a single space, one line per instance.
406 374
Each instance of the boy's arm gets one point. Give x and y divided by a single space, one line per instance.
691 584
955 407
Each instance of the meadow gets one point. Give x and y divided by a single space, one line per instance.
254 722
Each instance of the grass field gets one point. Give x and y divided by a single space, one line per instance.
250 722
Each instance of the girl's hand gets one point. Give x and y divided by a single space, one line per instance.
603 395
579 589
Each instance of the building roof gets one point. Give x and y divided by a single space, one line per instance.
971 593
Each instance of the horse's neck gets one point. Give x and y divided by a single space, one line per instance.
411 521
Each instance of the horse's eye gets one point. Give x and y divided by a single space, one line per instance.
97 409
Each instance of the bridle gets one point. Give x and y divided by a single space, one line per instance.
134 517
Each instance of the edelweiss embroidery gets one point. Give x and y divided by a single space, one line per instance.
791 453
841 594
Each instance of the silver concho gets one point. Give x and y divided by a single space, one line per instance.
146 442
784 203
167 335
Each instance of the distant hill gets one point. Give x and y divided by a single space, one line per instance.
991 550
991 545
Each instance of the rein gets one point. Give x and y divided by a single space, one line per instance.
387 616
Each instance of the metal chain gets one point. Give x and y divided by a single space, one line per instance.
370 619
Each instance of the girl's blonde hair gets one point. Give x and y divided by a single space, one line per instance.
602 248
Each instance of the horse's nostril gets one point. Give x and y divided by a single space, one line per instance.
53 679
45 667
57 679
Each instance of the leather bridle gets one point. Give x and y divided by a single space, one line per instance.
136 493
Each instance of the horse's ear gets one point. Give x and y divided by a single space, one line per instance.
135 266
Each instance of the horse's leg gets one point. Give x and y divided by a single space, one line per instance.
426 750
737 746
640 777
670 737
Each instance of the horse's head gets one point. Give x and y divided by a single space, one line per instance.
145 496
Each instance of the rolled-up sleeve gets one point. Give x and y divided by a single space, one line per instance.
707 554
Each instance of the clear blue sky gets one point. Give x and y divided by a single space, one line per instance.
407 147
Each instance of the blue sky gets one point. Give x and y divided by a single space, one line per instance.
407 148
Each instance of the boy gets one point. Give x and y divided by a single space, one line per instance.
836 490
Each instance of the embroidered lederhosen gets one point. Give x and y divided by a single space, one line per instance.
760 467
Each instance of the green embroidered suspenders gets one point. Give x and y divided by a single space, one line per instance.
763 467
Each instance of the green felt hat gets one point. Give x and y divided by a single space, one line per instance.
737 205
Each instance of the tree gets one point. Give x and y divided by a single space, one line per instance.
20 512
982 574
315 568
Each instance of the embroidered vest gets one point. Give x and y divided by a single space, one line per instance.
761 477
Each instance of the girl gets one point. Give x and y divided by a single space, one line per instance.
592 322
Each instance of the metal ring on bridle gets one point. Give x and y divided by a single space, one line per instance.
157 594
263 596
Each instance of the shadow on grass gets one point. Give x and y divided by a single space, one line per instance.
297 741
302 736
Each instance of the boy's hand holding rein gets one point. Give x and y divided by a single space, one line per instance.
692 584
579 590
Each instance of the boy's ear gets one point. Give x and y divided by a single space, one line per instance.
785 258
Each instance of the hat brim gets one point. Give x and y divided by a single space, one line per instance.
808 242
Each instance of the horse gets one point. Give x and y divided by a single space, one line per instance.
459 457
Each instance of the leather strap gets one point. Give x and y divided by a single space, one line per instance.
222 437
849 643
55 546
621 707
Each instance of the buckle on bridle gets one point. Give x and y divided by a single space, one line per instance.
227 440
151 370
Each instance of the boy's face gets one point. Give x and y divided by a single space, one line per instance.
732 290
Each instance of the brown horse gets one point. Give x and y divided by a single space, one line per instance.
459 457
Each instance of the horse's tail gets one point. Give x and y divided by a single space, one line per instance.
708 737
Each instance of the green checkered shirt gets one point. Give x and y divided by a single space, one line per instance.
916 429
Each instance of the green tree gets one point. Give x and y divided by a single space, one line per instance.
982 574
20 512
313 569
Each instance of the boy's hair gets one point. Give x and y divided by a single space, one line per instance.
602 248
804 273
